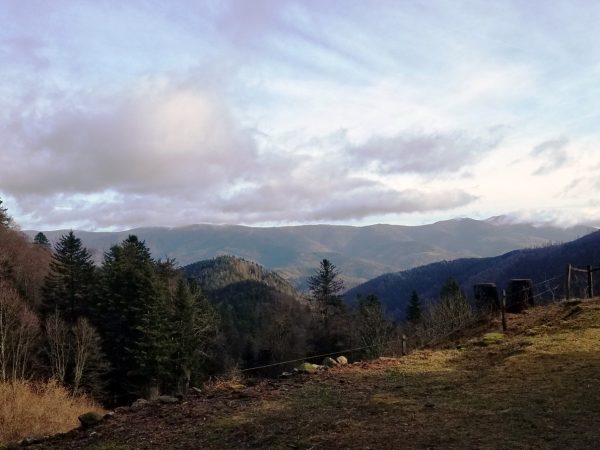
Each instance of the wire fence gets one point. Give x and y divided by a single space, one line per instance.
549 290
308 358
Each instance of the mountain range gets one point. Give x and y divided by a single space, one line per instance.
545 266
360 253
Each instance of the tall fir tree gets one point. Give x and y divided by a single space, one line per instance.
194 326
325 289
69 286
132 314
41 240
413 311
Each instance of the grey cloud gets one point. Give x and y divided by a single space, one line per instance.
278 201
163 136
552 152
426 153
334 199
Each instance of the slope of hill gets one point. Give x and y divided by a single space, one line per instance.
262 317
360 253
222 271
539 264
536 387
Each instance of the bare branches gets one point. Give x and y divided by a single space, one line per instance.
19 330
57 338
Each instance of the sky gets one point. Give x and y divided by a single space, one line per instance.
116 115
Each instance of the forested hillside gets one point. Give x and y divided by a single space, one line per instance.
225 270
263 319
539 264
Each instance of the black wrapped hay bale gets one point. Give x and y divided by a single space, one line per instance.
519 295
486 296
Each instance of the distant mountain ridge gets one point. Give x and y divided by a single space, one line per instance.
360 253
539 264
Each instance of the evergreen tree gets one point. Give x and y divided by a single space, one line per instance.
132 313
194 327
325 289
69 286
5 219
413 311
41 240
331 331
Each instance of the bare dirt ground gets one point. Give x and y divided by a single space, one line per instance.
538 386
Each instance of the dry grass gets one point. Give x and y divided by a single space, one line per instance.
35 408
229 382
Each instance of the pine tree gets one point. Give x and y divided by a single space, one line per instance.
41 240
413 311
5 219
132 314
69 286
194 327
325 288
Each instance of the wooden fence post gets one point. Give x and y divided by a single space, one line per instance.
404 349
503 309
568 283
590 282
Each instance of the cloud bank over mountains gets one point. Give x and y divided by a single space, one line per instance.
277 112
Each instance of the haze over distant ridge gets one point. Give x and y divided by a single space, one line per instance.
361 253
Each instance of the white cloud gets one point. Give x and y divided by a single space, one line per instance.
287 111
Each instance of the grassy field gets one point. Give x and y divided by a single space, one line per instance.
537 386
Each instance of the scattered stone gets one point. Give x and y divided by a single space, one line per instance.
109 415
342 360
139 404
330 362
286 374
166 399
90 419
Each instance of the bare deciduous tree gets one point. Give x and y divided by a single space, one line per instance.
86 352
19 330
58 345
